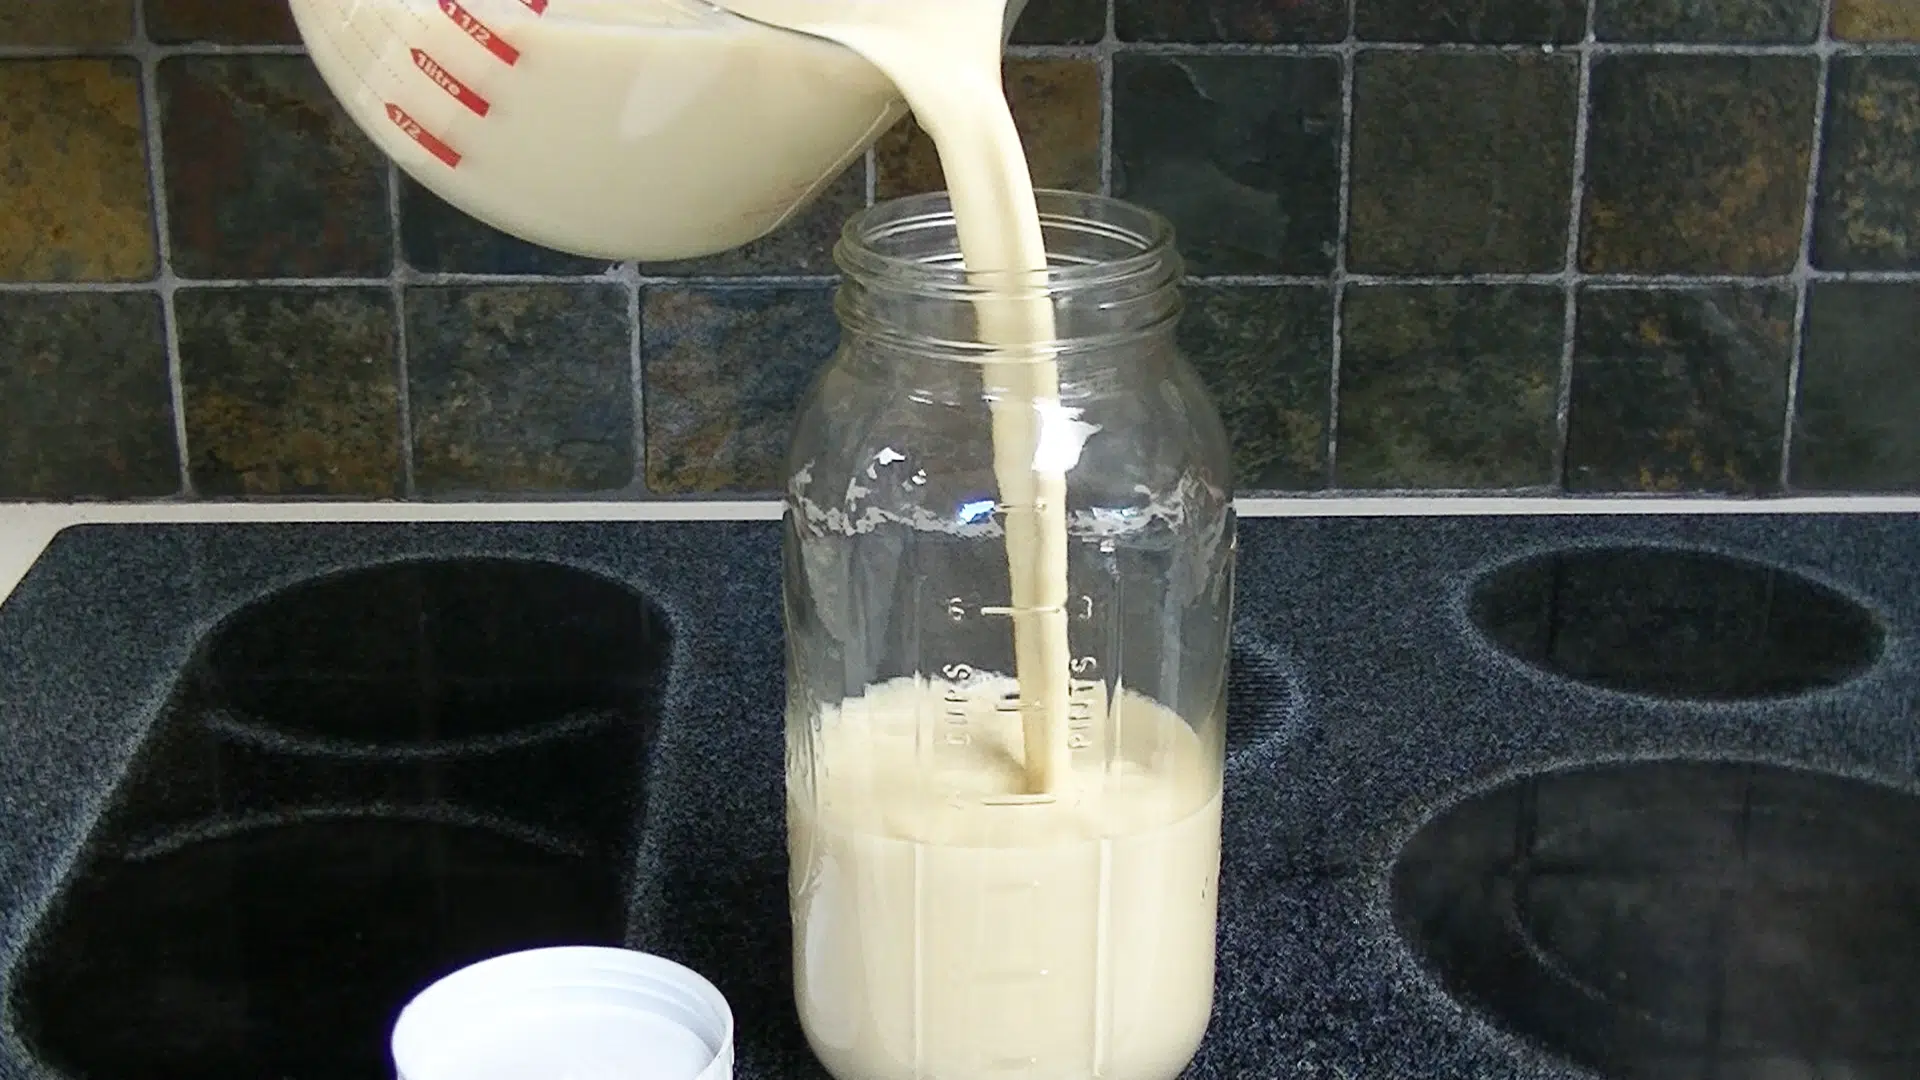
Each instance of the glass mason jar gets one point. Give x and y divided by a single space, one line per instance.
959 911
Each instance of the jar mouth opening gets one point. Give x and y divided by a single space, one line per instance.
1093 242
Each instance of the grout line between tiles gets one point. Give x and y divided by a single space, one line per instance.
1824 45
1056 52
1803 267
415 278
141 45
1570 267
165 282
397 292
1336 338
629 274
870 181
721 281
1597 48
151 285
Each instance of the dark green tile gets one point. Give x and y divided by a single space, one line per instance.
1266 355
1489 21
1868 216
1751 22
437 237
85 406
223 22
1056 106
1680 390
1450 387
520 388
1855 427
74 202
1252 22
724 373
1697 164
1461 162
291 391
1876 20
266 176
1241 152
66 22
1061 22
802 246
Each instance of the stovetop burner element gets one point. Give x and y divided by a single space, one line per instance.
1664 920
360 783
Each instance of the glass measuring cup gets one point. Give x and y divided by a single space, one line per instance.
948 921
620 129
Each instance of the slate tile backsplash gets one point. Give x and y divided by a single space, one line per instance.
1661 246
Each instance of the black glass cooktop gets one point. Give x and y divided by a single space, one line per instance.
1640 809
1679 920
359 785
1666 920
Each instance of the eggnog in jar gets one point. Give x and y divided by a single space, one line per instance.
949 926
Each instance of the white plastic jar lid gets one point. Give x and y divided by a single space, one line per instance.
579 1012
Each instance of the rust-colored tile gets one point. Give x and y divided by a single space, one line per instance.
223 22
1755 22
1451 387
1061 22
73 172
85 409
1876 20
1485 21
1679 390
1266 355
1443 187
266 175
724 373
66 22
518 388
1056 105
1697 164
1868 216
1241 153
1859 389
1239 22
291 391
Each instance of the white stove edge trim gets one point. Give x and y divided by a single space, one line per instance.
27 528
61 515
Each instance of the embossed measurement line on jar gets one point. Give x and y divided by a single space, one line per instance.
957 706
1081 695
1084 682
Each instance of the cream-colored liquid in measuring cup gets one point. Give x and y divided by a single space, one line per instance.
648 129
938 936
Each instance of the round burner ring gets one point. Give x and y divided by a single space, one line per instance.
1646 917
1675 623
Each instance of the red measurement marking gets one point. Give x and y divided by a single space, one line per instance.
456 89
538 7
428 140
479 32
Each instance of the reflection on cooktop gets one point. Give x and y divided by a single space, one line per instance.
360 784
429 655
1679 921
286 951
1674 623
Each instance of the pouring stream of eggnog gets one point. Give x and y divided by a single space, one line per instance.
944 55
944 927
